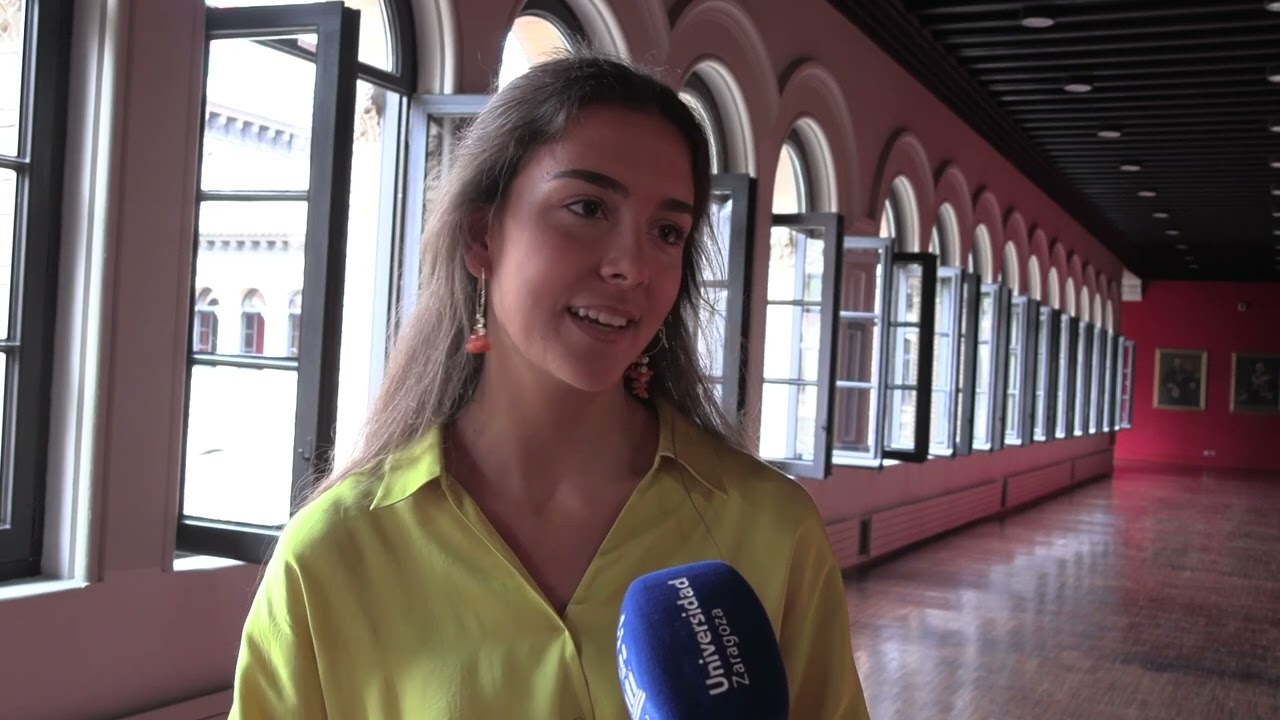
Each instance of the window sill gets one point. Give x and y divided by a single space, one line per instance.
197 563
33 587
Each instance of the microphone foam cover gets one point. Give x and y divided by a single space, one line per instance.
694 641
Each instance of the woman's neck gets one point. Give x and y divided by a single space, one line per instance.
535 438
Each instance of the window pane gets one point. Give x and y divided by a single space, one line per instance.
853 410
939 425
257 118
860 283
13 25
532 40
855 352
711 332
367 291
908 293
904 364
902 418
239 454
806 421
782 263
375 32
792 337
252 244
8 195
813 262
721 228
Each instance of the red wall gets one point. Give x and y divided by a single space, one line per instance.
1202 316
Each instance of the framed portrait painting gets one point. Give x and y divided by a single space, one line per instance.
1180 376
1255 383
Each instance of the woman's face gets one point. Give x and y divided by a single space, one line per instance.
584 258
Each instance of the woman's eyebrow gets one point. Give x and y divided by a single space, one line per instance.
614 185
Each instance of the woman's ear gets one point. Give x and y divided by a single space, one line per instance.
476 253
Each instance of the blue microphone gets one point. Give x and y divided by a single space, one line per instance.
694 642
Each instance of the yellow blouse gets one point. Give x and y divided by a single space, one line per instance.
401 601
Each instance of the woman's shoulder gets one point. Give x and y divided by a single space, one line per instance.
318 526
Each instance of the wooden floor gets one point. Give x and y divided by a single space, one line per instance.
1153 595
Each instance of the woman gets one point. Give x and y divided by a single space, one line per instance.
543 437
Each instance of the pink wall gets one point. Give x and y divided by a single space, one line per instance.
140 633
1201 316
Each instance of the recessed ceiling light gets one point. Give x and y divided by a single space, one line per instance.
1275 162
1273 74
1274 125
1160 215
1130 167
1146 193
1077 86
1109 133
1275 189
1181 246
1273 5
1173 231
1037 21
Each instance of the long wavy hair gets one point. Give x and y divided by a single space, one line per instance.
430 377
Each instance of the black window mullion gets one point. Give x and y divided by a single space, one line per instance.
1000 366
741 188
1053 338
36 229
966 377
324 271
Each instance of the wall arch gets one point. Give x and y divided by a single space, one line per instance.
732 112
1054 288
952 188
949 236
986 212
811 94
904 159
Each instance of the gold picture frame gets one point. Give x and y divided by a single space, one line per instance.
1255 383
1180 379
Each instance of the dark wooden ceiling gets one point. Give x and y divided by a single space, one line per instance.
1185 83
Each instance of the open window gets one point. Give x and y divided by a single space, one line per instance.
283 194
723 343
1084 350
858 354
1067 329
800 328
948 343
35 51
967 365
1023 379
1046 373
910 339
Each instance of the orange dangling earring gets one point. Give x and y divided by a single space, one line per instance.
478 343
639 373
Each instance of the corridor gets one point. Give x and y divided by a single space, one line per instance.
1153 595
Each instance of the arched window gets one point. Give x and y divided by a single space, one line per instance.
543 29
984 368
1033 279
204 336
295 324
791 180
1009 271
252 327
800 274
948 335
900 216
698 97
